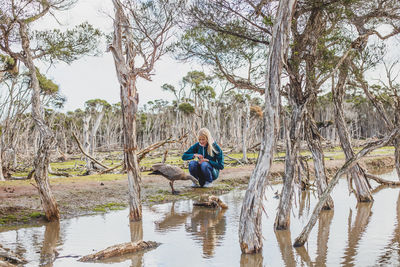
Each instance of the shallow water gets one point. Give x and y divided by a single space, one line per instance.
351 235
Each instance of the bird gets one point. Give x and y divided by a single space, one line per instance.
172 173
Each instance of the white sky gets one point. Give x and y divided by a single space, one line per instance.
95 77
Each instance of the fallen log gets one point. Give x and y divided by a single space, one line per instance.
211 202
6 264
238 161
142 153
7 258
119 250
381 180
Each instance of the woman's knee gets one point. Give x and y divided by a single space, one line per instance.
205 166
193 164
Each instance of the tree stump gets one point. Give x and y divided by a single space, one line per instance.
119 250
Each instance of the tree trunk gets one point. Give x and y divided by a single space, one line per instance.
282 220
245 130
86 142
396 143
46 138
362 187
1 161
314 144
129 106
302 238
250 234
93 133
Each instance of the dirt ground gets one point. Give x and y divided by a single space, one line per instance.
20 203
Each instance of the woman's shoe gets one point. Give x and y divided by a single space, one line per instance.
207 184
194 185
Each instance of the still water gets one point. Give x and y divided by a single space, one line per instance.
351 235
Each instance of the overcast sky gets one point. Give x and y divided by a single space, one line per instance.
94 77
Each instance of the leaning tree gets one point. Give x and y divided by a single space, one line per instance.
22 44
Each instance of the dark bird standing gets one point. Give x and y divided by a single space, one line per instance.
172 173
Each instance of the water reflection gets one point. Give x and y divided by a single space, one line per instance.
136 230
324 224
172 219
350 235
393 247
207 226
305 202
253 260
48 253
285 246
356 231
136 259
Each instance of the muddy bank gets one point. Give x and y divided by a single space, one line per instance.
20 203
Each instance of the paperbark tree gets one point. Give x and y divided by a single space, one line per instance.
52 46
385 94
303 236
141 30
250 235
356 174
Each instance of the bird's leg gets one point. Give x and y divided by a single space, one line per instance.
171 183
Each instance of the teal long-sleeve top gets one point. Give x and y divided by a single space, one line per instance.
216 161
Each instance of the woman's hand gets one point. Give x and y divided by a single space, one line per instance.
198 156
203 160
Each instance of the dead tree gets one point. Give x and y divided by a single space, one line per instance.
46 139
302 238
390 88
139 32
314 144
14 25
250 234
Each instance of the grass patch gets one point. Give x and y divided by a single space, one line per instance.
36 214
109 206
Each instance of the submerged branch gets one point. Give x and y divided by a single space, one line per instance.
302 238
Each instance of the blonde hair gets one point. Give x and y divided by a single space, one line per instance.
210 140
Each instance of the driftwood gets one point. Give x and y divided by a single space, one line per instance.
7 258
6 264
119 250
142 153
233 159
211 202
86 154
381 180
